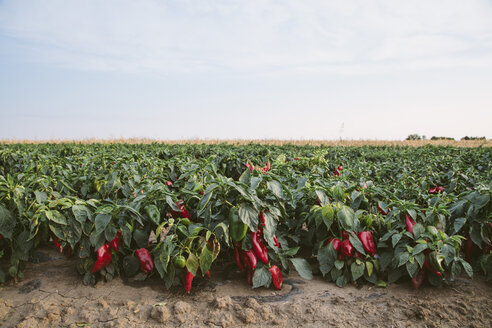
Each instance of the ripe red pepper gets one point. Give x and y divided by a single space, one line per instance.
367 242
336 243
409 222
276 241
435 190
345 235
347 248
469 248
188 280
115 243
103 258
336 173
237 257
169 183
258 247
418 279
262 219
268 166
249 258
209 276
276 276
146 263
430 268
183 213
56 241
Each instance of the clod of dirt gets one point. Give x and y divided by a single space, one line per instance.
28 323
223 302
252 304
222 319
181 310
181 307
160 314
247 315
30 286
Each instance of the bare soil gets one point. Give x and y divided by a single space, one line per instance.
52 295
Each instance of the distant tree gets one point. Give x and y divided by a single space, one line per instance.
441 138
473 138
415 137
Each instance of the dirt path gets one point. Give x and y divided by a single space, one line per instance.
52 295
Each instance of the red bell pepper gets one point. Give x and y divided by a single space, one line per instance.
103 258
358 255
169 183
367 242
237 257
249 258
262 219
336 243
276 241
346 248
435 190
409 222
183 212
260 250
115 243
276 276
345 235
56 241
146 263
430 268
418 279
188 280
469 248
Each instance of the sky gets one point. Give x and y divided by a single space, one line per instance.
256 69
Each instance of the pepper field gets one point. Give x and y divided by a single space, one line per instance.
269 217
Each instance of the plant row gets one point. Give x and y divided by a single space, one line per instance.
350 214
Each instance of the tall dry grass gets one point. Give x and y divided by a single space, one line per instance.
411 143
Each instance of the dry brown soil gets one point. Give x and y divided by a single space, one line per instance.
52 295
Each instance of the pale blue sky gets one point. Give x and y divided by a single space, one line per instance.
245 69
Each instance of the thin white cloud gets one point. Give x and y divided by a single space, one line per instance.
346 37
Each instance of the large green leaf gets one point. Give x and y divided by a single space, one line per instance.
302 267
101 222
249 215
